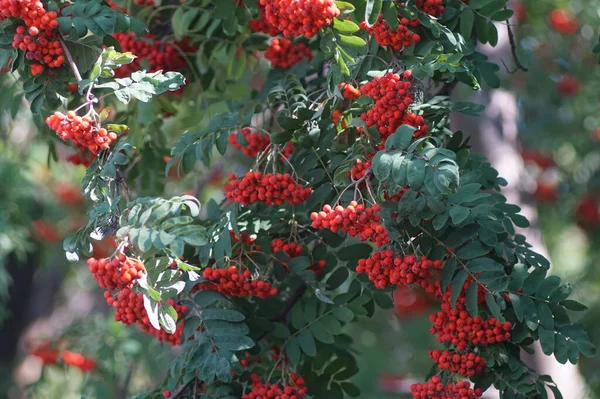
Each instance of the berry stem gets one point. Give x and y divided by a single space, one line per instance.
70 60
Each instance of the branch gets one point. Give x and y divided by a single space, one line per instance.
180 390
70 60
513 50
300 291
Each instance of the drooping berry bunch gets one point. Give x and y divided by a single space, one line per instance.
38 37
457 327
235 282
397 39
294 250
349 91
385 268
466 364
257 142
296 389
299 17
392 96
360 167
129 309
42 46
83 156
434 389
261 24
83 131
283 53
117 273
272 189
356 220
431 7
83 363
159 55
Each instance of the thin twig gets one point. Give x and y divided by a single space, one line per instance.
180 390
513 49
70 60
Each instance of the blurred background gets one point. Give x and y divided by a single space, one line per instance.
541 130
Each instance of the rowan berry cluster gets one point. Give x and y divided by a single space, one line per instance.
129 309
356 220
397 39
568 85
283 53
434 389
466 364
360 167
457 327
257 142
261 24
272 189
294 250
235 282
42 46
563 21
264 390
159 55
83 363
349 91
82 157
431 7
83 131
38 37
385 268
299 17
392 96
117 273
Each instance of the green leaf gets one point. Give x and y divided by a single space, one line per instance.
320 332
352 41
573 305
222 314
233 343
332 325
337 278
472 250
416 173
493 307
143 86
382 165
206 298
343 314
547 287
457 285
467 18
297 317
459 214
299 263
344 6
448 273
350 389
372 11
345 27
515 301
546 340
502 15
292 350
471 299
307 343
85 51
484 265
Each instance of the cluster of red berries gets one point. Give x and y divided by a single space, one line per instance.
392 97
264 390
83 363
431 7
417 121
434 389
385 268
466 364
396 39
83 131
272 189
261 24
456 326
568 85
349 91
257 142
360 167
234 282
283 53
563 21
82 157
40 46
159 55
356 220
41 43
299 17
129 309
117 273
294 250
